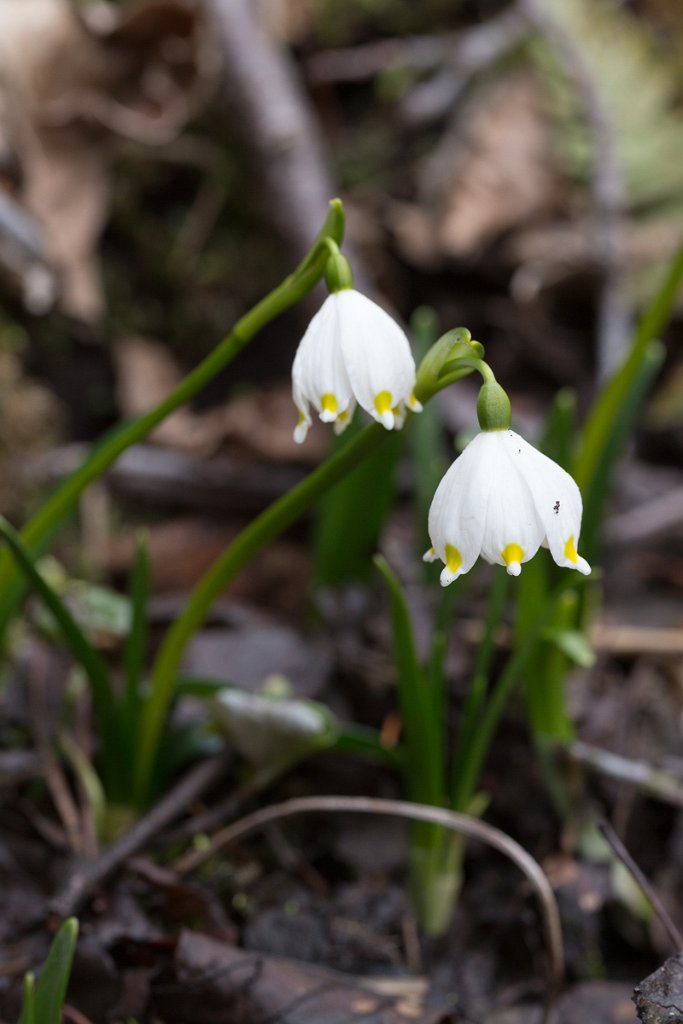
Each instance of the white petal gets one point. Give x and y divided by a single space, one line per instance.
377 357
513 531
558 504
345 417
301 429
457 513
319 376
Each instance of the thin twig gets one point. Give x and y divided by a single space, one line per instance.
86 877
227 807
607 187
74 1016
460 823
465 51
649 893
263 88
55 779
656 783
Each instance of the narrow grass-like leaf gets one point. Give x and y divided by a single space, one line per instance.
136 645
474 704
558 644
350 520
202 689
479 741
573 644
558 436
89 780
54 977
80 647
622 421
421 727
589 463
365 741
28 1004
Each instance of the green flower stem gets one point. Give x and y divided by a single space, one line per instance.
476 698
293 288
270 524
471 759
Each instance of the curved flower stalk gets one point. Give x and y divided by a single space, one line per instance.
352 353
502 499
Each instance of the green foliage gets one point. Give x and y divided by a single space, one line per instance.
638 82
350 519
427 448
611 418
44 999
39 534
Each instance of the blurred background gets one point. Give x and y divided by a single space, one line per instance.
515 168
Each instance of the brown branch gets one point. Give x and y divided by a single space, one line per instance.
263 88
85 877
656 783
644 884
464 51
461 823
55 779
607 188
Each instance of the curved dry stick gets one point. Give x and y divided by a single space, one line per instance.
463 824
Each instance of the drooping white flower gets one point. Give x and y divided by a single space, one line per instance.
353 352
502 499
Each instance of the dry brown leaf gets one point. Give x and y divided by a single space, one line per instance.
244 986
289 20
499 175
260 421
69 83
146 373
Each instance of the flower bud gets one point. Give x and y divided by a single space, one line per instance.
338 273
493 407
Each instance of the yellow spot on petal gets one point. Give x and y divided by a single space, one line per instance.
383 402
512 553
570 551
302 418
328 403
453 558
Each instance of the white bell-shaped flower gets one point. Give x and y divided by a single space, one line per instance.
353 352
502 499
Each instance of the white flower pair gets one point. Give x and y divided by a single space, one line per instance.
501 499
353 352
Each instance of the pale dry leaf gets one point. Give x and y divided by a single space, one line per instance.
146 373
67 86
290 21
259 421
500 175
